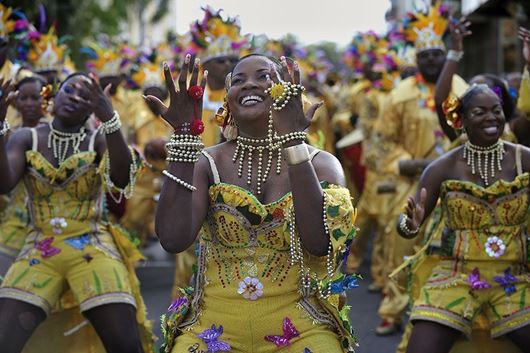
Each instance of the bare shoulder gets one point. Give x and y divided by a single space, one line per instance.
22 138
444 166
327 167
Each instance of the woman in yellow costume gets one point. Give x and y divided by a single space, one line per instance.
484 190
273 217
69 243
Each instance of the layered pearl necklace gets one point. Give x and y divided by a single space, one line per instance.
247 146
60 141
485 159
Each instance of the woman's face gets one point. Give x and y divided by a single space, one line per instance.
246 95
28 102
484 119
66 108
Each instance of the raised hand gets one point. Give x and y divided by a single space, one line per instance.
292 117
7 95
459 29
96 99
524 35
415 211
182 107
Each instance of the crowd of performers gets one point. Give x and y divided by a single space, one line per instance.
267 168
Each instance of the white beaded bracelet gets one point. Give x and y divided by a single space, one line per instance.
113 125
455 55
405 229
179 181
5 128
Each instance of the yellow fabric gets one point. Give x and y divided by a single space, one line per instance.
320 133
148 126
9 71
125 103
14 222
71 195
245 238
213 100
473 215
523 103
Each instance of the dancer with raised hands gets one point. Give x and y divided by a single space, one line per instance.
273 218
66 168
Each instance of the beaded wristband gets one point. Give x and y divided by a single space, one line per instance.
296 154
405 229
179 181
5 128
111 126
455 55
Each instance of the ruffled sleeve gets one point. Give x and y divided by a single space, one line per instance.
137 165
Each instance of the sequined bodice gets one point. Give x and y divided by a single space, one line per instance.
64 201
481 219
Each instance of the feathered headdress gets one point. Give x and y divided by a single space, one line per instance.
47 52
426 30
12 23
215 36
106 59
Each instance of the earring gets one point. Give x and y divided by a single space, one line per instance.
224 119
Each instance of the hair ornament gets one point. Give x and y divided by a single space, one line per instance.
451 108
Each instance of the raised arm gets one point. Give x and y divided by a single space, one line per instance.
12 153
420 206
183 202
459 30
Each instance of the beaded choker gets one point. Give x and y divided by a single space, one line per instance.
485 159
60 141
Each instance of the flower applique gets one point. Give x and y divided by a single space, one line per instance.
507 282
495 247
289 332
58 224
79 242
344 283
211 338
46 249
251 288
475 282
177 304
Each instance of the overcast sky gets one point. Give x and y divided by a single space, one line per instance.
311 21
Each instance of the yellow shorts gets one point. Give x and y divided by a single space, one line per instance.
42 276
454 295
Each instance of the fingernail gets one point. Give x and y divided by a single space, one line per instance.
187 59
144 96
197 61
205 73
166 66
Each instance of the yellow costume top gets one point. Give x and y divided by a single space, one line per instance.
70 244
484 258
148 126
247 293
14 222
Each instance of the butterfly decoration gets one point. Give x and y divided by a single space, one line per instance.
307 350
211 338
289 332
475 282
507 282
88 257
46 249
79 242
344 283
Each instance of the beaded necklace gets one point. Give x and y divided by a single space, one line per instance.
59 142
485 158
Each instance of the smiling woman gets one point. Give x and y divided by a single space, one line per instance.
275 237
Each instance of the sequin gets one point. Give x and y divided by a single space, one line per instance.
33 262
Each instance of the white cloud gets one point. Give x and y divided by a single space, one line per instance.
310 20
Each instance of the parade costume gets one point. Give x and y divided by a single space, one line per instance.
244 264
70 244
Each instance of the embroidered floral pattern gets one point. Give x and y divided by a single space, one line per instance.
46 249
58 224
495 247
251 288
289 332
211 338
475 282
507 282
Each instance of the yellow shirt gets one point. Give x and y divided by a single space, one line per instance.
213 100
523 102
409 127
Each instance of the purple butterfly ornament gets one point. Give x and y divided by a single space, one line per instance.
289 332
475 282
211 338
507 282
